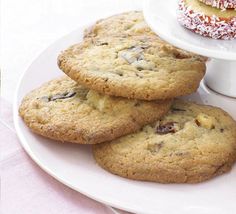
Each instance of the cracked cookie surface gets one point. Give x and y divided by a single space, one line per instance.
191 143
130 23
66 111
139 67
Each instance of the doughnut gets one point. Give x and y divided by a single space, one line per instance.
221 4
207 21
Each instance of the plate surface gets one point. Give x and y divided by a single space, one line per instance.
74 166
161 16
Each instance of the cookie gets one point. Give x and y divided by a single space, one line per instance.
124 24
190 144
66 111
221 4
137 67
207 21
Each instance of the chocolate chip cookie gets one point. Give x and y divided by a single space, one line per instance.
121 25
66 111
192 143
139 67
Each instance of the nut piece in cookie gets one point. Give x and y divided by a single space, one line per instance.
169 127
205 121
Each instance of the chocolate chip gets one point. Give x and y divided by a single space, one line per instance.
131 47
166 128
62 96
100 43
103 43
197 122
58 96
221 130
139 68
133 53
177 109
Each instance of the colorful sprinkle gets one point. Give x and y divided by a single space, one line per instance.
221 4
208 26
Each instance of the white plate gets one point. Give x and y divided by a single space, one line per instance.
161 16
74 166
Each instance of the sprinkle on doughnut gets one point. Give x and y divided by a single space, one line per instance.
208 26
221 4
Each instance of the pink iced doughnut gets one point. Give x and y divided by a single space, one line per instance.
208 26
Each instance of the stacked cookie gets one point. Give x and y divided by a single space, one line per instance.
210 18
119 96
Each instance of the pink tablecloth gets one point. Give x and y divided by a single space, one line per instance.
27 189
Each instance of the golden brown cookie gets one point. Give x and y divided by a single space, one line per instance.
192 143
125 24
66 111
139 67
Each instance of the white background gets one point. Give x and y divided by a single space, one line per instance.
29 26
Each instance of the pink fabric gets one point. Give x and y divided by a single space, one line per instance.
27 189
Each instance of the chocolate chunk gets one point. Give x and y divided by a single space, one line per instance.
221 130
139 68
197 122
166 128
58 96
137 104
103 43
132 47
100 43
106 79
133 53
177 109
63 96
131 56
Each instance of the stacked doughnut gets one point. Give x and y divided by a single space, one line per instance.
210 18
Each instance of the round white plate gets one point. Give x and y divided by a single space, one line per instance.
161 16
74 165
